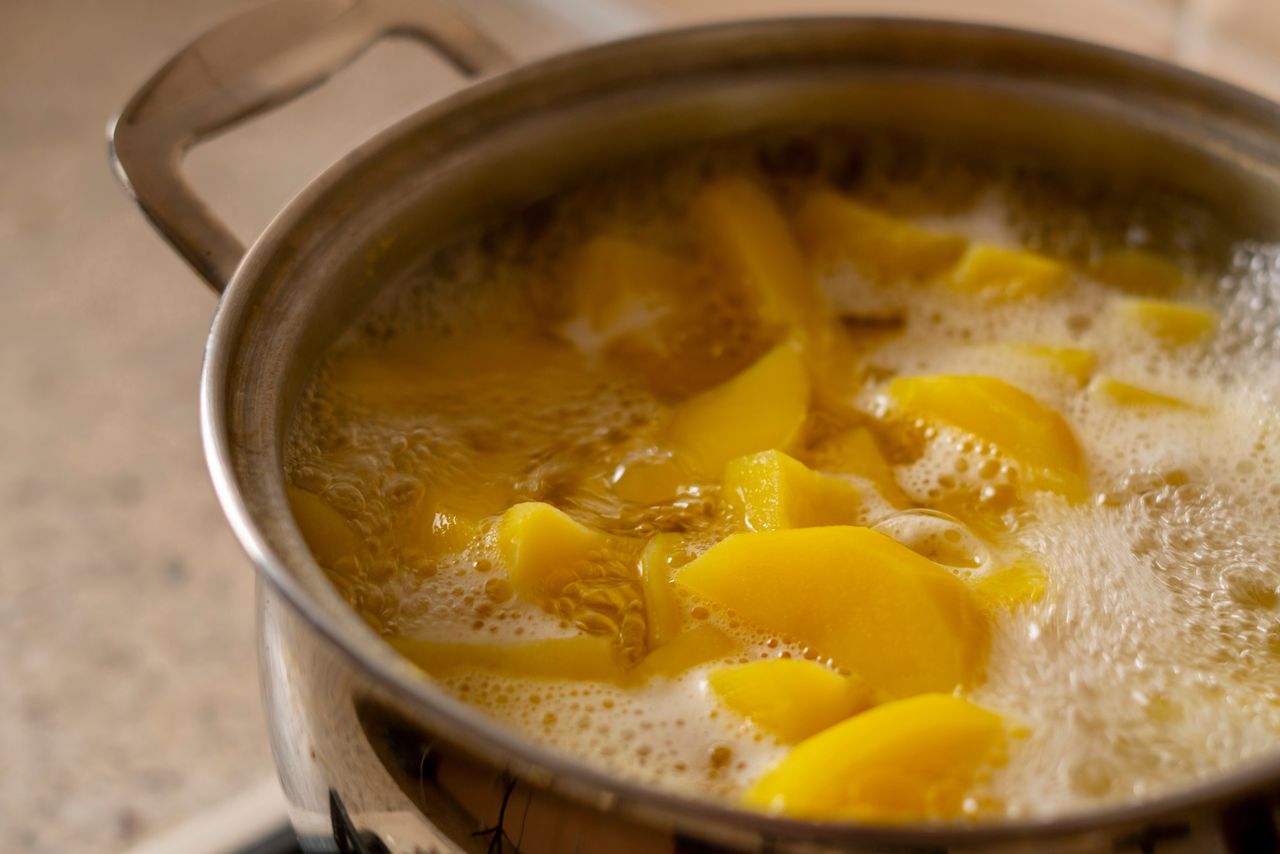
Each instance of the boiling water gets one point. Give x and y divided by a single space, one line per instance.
1154 658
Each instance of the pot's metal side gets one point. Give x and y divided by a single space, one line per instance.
364 744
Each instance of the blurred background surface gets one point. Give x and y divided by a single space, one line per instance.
128 694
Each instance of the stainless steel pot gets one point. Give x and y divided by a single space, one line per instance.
372 756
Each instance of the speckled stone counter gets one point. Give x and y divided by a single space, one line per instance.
128 693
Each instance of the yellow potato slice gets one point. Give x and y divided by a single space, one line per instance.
587 658
746 233
1030 433
912 760
770 491
900 622
543 549
999 275
622 285
1073 362
662 605
1172 323
651 480
685 651
883 248
1135 271
1127 394
856 452
761 408
790 698
1021 583
582 657
326 530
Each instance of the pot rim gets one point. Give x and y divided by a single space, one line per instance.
366 651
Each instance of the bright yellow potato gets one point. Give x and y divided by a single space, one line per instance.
770 491
588 658
685 651
582 657
1172 323
1004 275
881 247
746 233
761 408
913 760
1033 435
326 531
651 480
1127 394
1074 362
901 623
543 549
1022 582
620 282
663 609
790 698
856 452
1135 271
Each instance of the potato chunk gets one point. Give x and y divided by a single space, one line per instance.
1174 324
992 410
883 248
790 698
1136 271
662 606
1006 275
913 760
770 491
746 233
1011 587
685 651
326 531
622 285
761 408
1127 394
856 452
900 622
1073 362
543 549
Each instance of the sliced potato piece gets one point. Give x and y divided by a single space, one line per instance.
685 651
1021 583
1074 362
900 622
622 285
883 248
770 491
855 452
544 550
761 408
650 480
790 698
325 529
998 275
912 760
1172 323
1127 394
1030 433
1136 271
663 608
746 233
583 657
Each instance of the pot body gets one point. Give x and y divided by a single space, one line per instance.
372 756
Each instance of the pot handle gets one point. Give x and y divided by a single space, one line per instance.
246 66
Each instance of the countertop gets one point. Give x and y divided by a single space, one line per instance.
130 699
